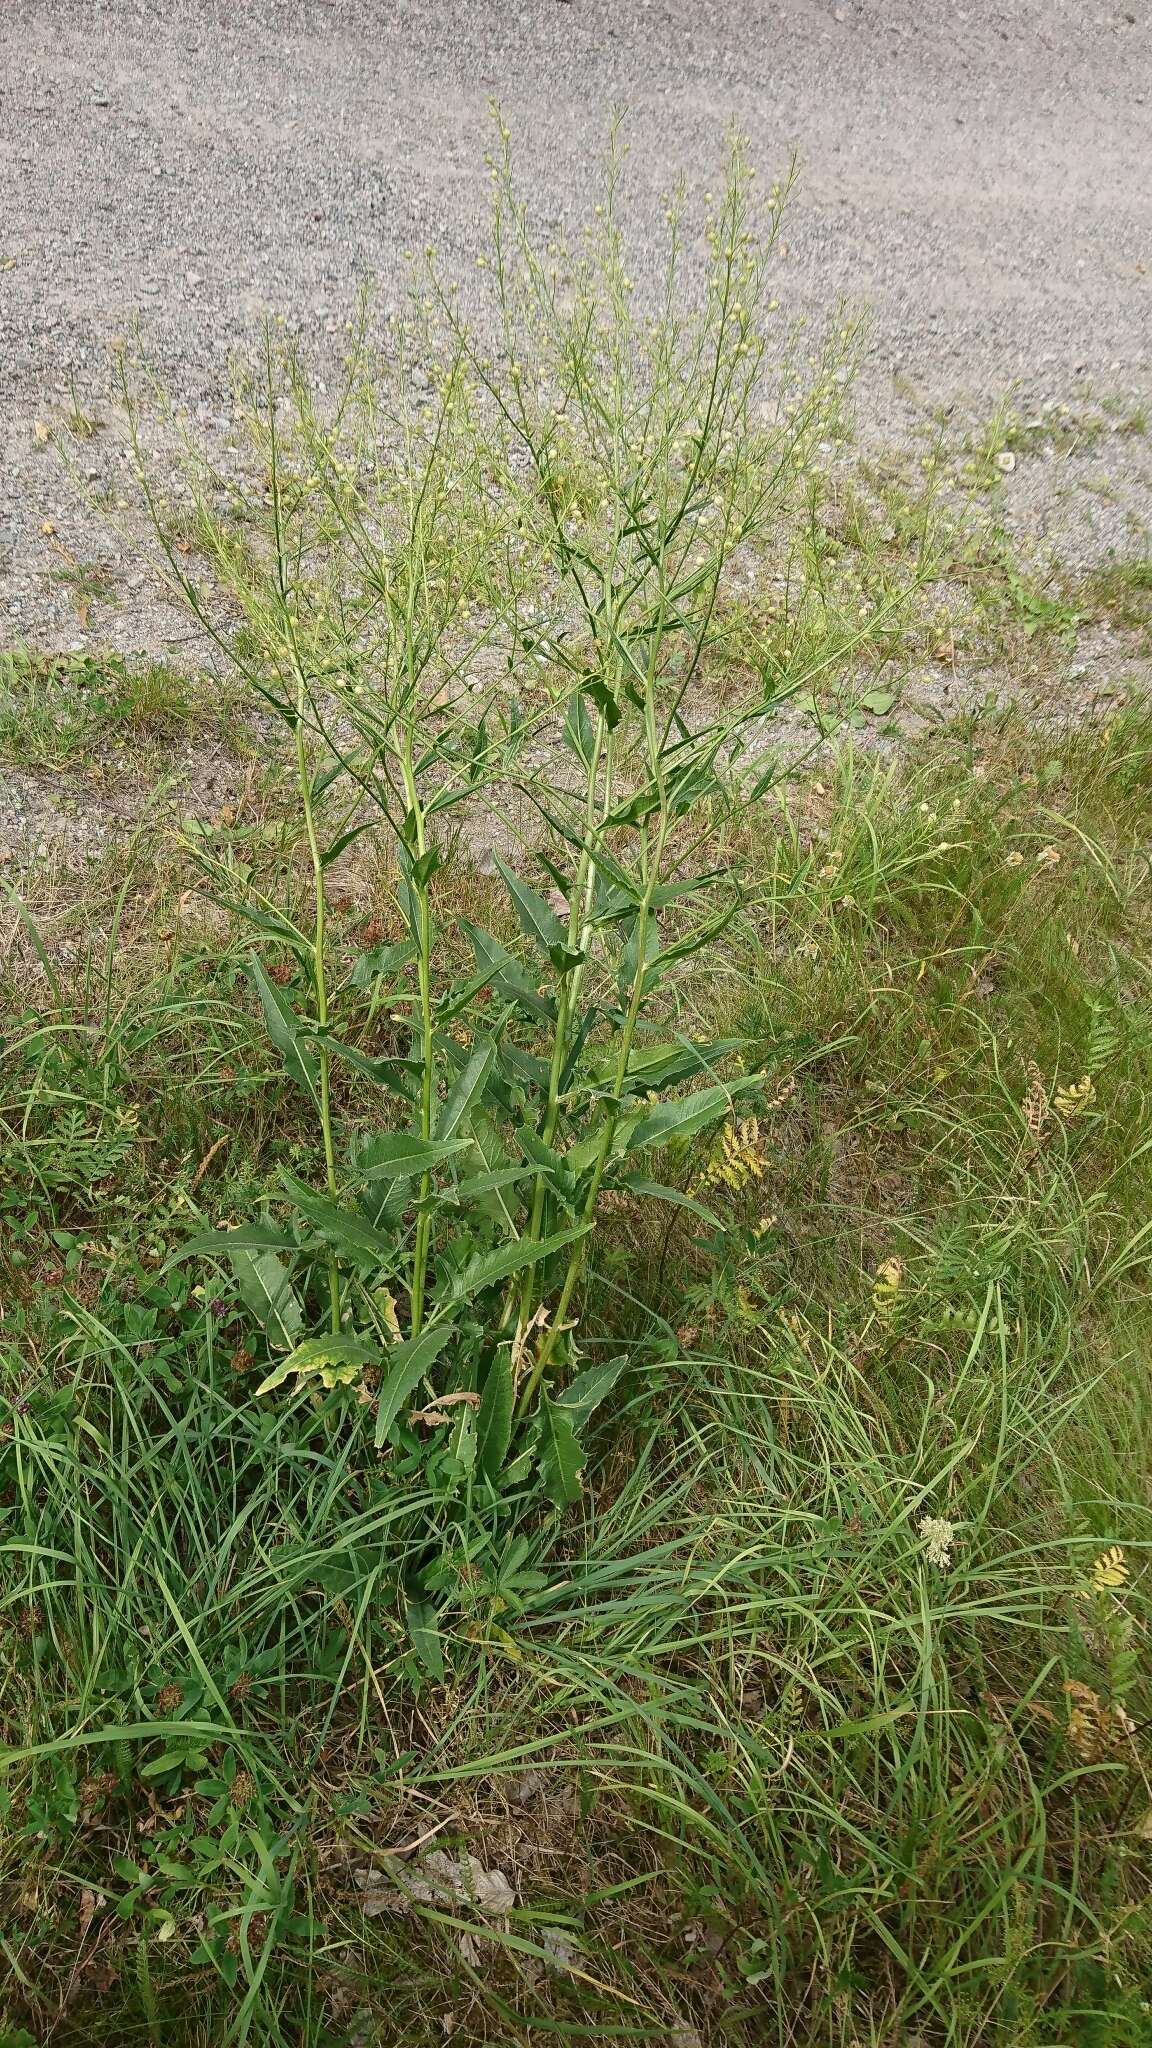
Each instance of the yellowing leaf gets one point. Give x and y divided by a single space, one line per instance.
386 1304
1072 1101
337 1362
1110 1570
887 1285
507 1643
437 1415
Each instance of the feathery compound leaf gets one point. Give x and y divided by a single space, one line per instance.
1110 1570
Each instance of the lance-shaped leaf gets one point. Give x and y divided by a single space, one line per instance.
560 1425
420 1616
259 1236
537 918
382 960
652 1068
588 1389
629 965
405 1155
551 1165
285 1033
346 1229
407 1365
466 1089
267 1290
560 1454
596 688
402 1076
494 1422
489 1267
507 974
679 1119
691 1113
676 1196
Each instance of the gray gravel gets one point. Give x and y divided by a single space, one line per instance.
979 176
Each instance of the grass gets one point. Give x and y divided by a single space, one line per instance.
66 710
750 1761
781 1676
899 569
1122 591
1052 428
89 583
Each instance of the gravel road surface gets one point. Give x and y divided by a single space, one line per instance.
979 176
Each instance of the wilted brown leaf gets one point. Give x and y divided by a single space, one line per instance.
436 1415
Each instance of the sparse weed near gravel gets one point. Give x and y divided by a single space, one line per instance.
64 710
574 1437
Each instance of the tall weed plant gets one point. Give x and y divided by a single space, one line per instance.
477 586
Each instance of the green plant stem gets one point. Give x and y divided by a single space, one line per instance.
608 1133
427 1070
319 983
579 939
304 782
652 868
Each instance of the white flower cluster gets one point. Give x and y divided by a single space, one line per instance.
939 1537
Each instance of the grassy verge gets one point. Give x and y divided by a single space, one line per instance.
821 1718
573 1449
72 710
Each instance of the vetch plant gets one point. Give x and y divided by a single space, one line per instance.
479 598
